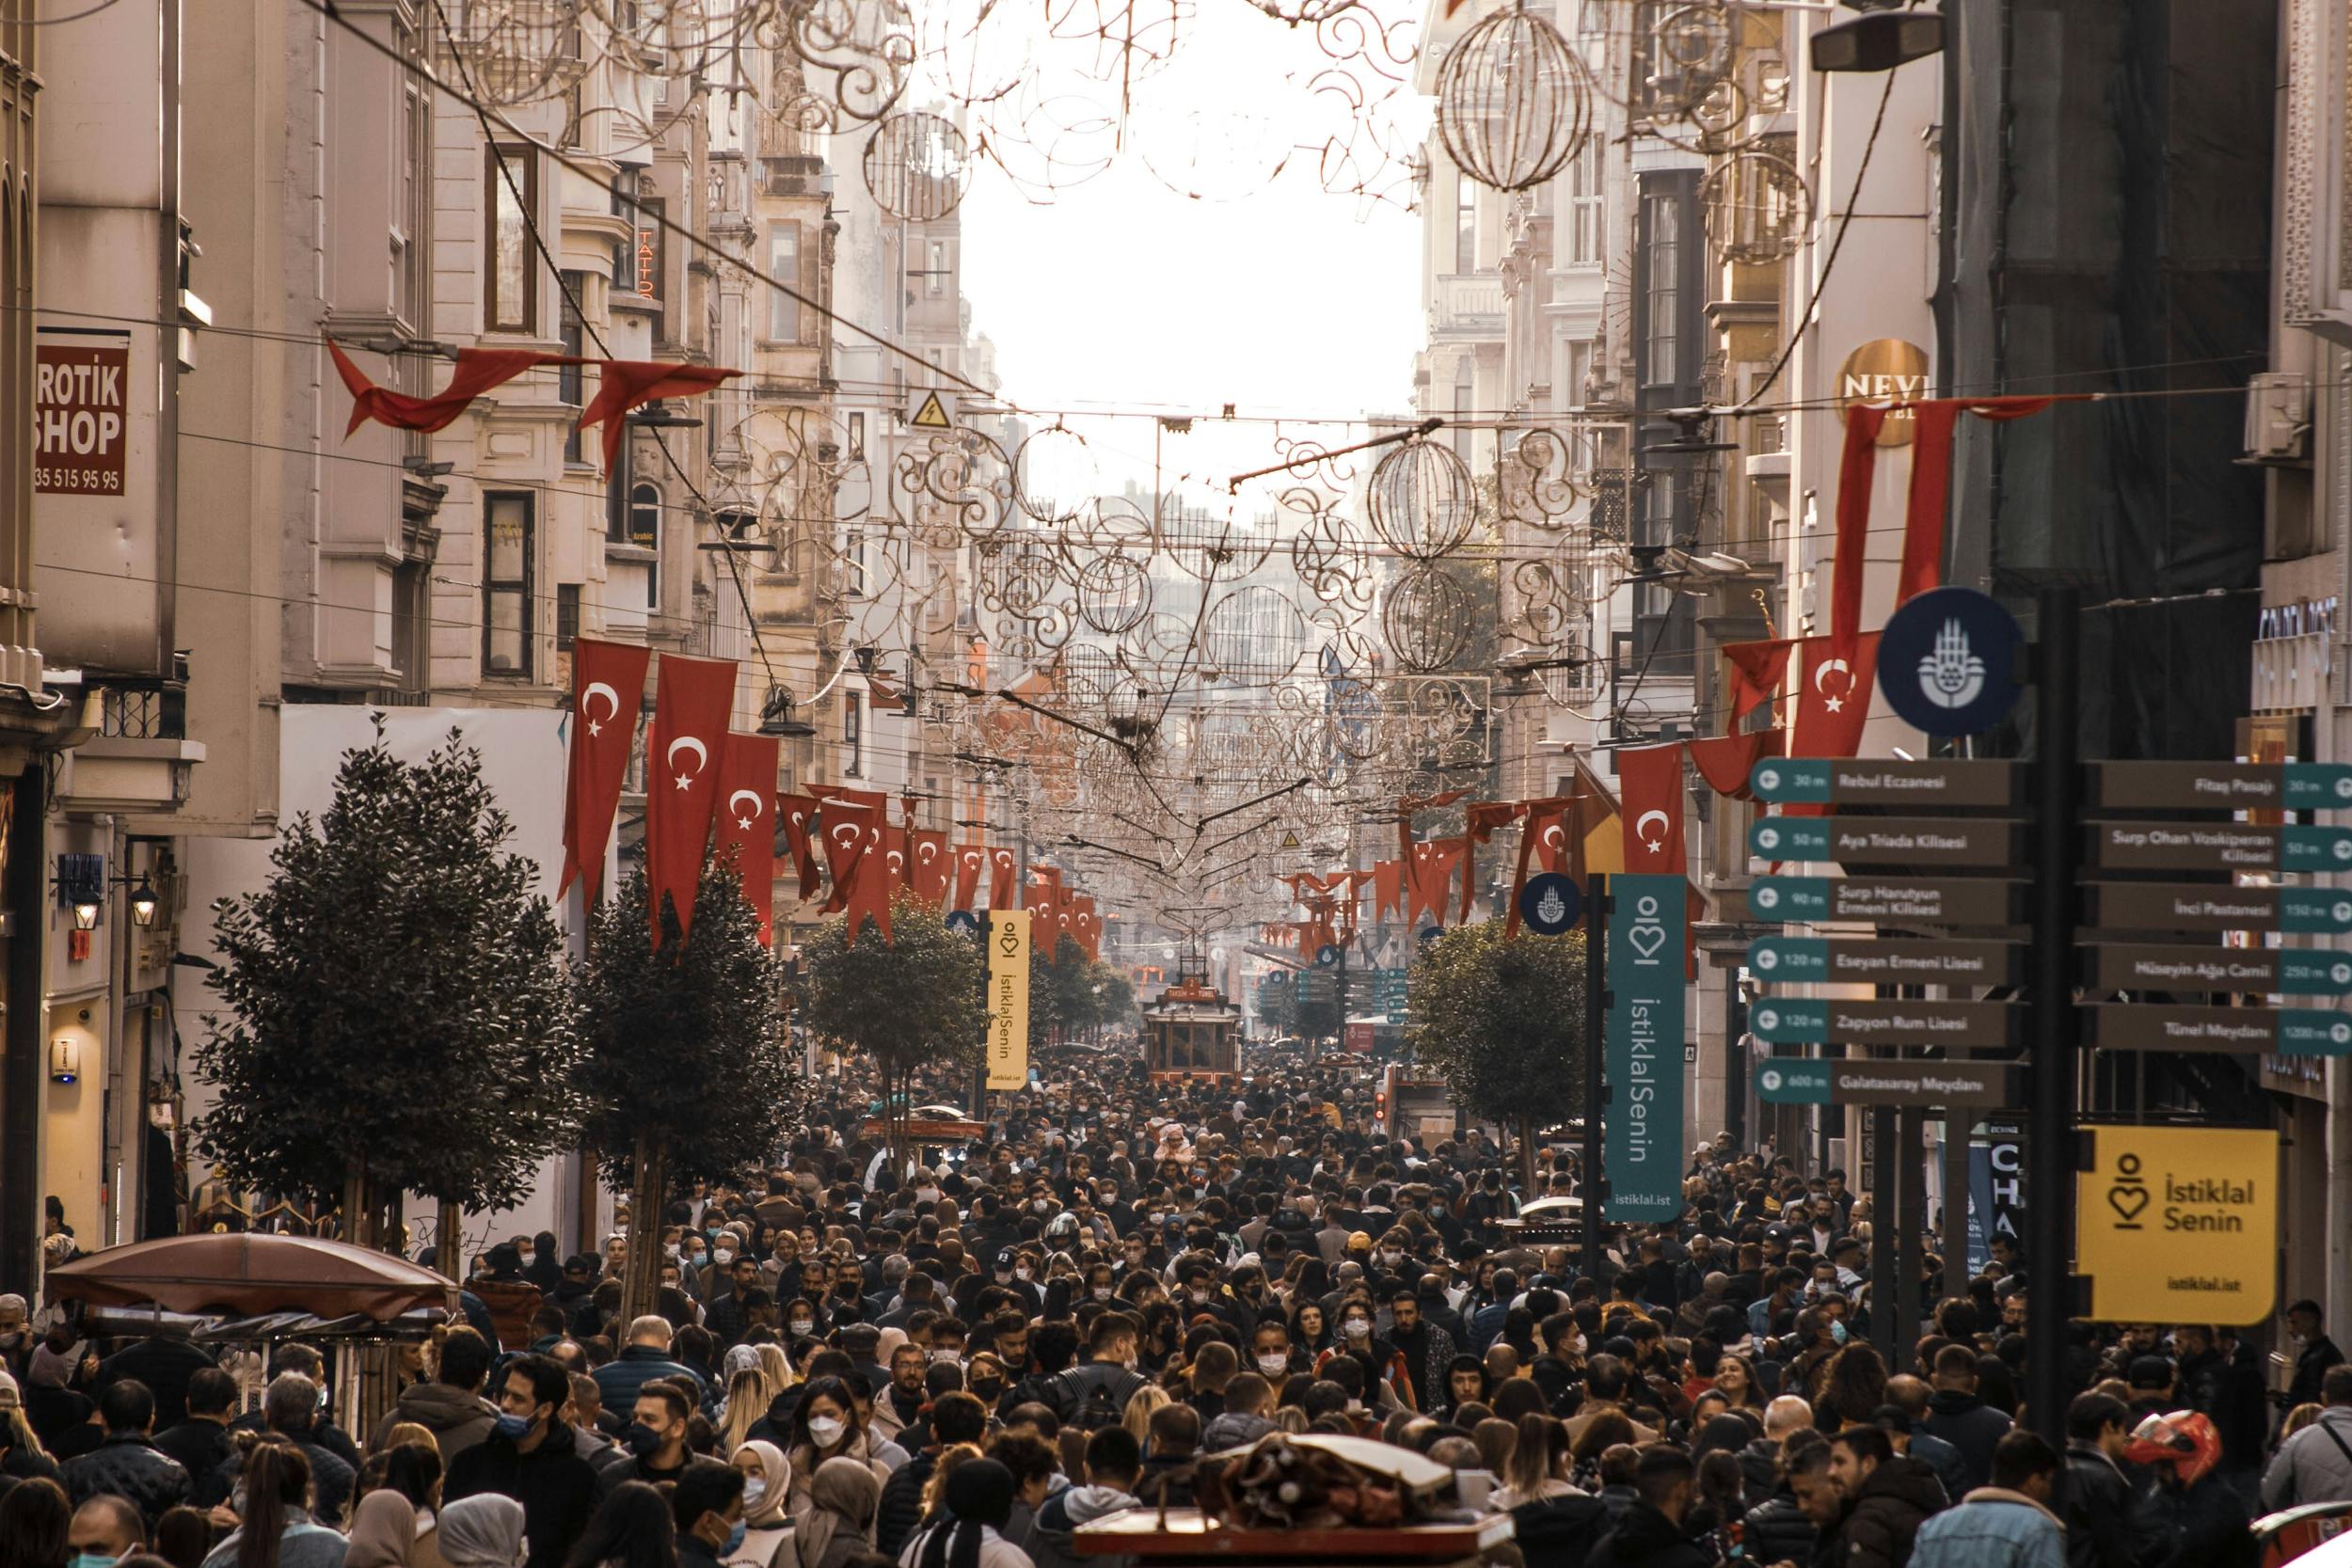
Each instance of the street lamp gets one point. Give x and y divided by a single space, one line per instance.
1879 41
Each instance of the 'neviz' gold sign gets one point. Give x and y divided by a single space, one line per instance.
1885 370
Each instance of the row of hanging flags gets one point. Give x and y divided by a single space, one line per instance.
1822 715
712 790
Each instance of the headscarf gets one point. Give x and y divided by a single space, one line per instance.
842 1496
742 1358
979 1495
484 1531
546 1268
382 1532
776 1472
52 1369
887 1346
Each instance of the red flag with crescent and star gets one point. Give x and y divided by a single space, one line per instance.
608 688
626 383
799 816
691 700
1649 803
930 867
971 860
747 821
1004 879
843 832
1833 702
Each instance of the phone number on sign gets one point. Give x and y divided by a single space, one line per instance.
104 481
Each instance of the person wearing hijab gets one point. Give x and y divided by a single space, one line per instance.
837 1526
383 1532
483 1531
980 1502
766 1491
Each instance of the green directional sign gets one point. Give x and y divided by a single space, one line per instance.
2288 970
2219 847
1887 840
1874 962
1931 785
1785 1081
2223 785
2268 1031
2194 906
1834 1020
1887 900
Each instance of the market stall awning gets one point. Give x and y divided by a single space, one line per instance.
250 1274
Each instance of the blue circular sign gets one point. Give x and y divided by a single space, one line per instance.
1430 934
963 920
1549 904
1947 661
1326 956
1279 977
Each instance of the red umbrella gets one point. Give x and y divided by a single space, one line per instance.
249 1274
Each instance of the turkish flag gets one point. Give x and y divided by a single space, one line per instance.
971 860
799 813
1832 699
478 371
747 820
1482 818
931 865
608 688
1726 761
1544 839
1649 802
1757 670
844 829
691 700
1004 879
1087 926
1388 887
628 384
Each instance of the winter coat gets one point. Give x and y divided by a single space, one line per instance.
1887 1509
1644 1538
555 1485
132 1468
1991 1529
165 1366
901 1507
2098 1509
1233 1430
619 1379
1054 1533
302 1544
457 1420
1779 1531
1560 1532
200 1446
1168 1483
1970 1425
1943 1459
2203 1525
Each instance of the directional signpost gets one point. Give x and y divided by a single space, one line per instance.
2257 970
1888 901
1816 1020
2200 907
1873 962
1979 843
2222 786
2219 847
1786 1081
2271 1031
1914 785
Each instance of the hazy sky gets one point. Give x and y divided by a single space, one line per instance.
1123 292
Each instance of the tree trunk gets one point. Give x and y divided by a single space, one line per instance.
649 1187
447 1243
1526 1156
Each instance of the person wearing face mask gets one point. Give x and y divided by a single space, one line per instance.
657 1431
825 1426
532 1459
1386 1377
105 1530
767 1489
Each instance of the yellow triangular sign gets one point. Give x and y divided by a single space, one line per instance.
931 415
1290 841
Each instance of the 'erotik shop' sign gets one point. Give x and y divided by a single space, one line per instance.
80 401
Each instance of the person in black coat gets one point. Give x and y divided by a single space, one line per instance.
530 1456
202 1443
2316 1353
1787 1528
955 1418
2098 1493
1958 1416
1887 1499
1649 1533
126 1463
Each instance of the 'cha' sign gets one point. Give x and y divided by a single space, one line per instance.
2179 1225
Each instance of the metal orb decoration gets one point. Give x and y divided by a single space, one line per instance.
918 167
517 50
1757 207
1513 100
1422 501
1426 620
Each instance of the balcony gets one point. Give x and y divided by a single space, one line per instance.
791 175
1468 305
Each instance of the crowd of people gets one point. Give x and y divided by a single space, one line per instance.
963 1365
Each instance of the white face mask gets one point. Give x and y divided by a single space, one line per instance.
1391 1257
944 1354
1021 1275
824 1431
755 1488
723 1257
927 1195
1357 1328
801 1325
1102 1292
1272 1365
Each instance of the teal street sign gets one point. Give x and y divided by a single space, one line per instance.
1786 1081
1792 1083
1643 1042
1887 840
1923 785
2198 907
2263 1031
1876 961
1835 1021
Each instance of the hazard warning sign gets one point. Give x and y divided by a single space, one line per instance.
931 410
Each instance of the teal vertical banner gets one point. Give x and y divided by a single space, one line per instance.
1644 1034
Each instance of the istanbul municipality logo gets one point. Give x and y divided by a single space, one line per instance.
1951 674
1551 910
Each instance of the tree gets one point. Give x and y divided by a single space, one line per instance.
399 1017
915 1002
687 1072
1502 1019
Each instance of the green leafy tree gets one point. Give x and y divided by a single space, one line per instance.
398 1014
688 1074
913 1005
1502 1019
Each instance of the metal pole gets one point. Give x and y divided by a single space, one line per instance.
1957 1125
1911 1224
1887 1204
1735 1059
2050 1145
1595 1092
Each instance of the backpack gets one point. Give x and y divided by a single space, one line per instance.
1089 1403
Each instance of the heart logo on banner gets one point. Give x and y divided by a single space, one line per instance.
1647 940
2128 1201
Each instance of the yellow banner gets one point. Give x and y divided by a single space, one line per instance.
1008 999
2179 1225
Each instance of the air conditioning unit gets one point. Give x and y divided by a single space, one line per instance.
2277 419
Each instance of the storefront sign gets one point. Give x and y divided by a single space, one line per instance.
1008 998
1996 1188
2179 1225
81 401
1885 370
1644 1048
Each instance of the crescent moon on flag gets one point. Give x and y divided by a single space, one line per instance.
926 851
1827 665
591 691
751 795
1642 821
1555 835
845 834
689 743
